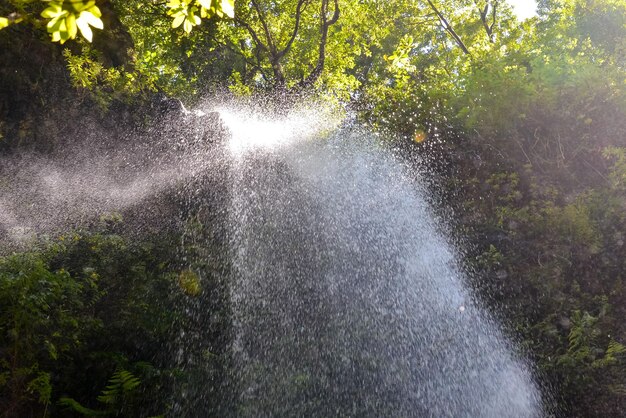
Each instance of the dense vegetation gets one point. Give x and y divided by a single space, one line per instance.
524 124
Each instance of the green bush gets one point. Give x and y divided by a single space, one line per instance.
83 321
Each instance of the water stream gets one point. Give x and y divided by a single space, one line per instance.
347 298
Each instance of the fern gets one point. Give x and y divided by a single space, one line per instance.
121 383
582 334
119 386
613 353
77 407
41 386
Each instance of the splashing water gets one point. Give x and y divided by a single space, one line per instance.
251 131
97 174
346 298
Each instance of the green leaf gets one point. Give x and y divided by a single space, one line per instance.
228 7
187 26
91 18
57 27
85 20
205 3
76 406
194 19
54 10
70 22
55 23
85 30
94 10
178 20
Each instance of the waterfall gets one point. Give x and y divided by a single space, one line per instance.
347 297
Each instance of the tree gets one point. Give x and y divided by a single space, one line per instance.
268 43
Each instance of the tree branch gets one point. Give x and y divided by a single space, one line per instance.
254 35
493 15
319 67
268 34
255 66
299 10
483 18
449 28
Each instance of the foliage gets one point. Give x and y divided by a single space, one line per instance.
529 121
39 309
76 309
189 13
116 396
105 85
67 17
189 282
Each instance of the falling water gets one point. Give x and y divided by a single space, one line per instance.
347 299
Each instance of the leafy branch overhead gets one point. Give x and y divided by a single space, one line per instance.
67 18
189 13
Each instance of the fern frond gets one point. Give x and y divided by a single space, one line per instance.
77 407
121 383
